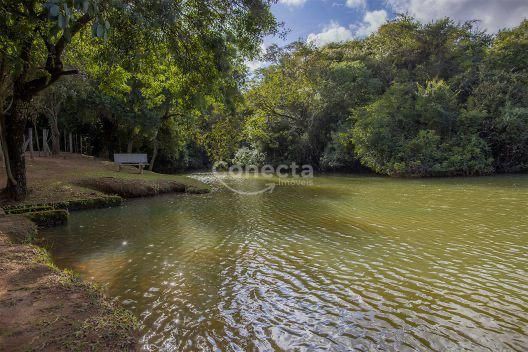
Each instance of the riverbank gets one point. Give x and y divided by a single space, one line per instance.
45 309
72 177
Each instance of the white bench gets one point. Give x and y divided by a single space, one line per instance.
139 160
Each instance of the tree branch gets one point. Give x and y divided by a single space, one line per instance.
9 106
54 64
74 29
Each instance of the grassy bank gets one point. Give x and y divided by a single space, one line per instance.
46 309
75 179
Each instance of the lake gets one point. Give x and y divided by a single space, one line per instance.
347 263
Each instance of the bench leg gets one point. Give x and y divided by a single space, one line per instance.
141 169
118 167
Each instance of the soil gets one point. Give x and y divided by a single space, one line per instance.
45 309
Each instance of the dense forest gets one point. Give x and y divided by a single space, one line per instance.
170 80
413 99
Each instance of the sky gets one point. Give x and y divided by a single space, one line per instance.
325 21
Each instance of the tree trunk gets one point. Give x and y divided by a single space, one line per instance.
154 153
130 146
163 120
5 153
30 133
14 139
55 136
37 137
45 145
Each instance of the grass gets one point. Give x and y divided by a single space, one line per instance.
130 173
113 324
71 177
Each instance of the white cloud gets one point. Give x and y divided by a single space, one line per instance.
293 3
255 65
333 33
356 3
494 14
258 63
371 22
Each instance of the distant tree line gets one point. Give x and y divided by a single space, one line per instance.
412 99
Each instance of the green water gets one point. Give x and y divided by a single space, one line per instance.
348 263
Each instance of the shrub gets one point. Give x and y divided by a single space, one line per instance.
249 157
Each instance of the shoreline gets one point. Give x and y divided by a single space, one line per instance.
47 309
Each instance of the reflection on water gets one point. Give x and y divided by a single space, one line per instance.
348 263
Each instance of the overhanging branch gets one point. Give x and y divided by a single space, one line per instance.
54 65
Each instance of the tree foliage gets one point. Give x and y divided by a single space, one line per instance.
136 42
168 78
412 99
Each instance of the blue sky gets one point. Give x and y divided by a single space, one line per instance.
325 21
335 20
314 16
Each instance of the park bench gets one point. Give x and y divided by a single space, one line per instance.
139 160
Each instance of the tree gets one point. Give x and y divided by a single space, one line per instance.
299 102
501 97
35 34
5 91
50 103
412 99
419 131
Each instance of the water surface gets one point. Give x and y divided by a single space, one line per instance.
349 263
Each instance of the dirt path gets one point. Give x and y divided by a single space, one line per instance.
45 309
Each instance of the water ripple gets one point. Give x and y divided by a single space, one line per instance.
350 263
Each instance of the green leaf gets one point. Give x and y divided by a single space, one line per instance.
55 30
86 5
107 24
